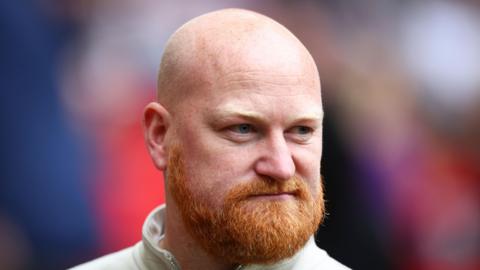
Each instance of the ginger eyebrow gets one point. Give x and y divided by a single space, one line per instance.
245 114
249 115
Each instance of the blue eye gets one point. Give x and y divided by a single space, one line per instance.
300 134
242 128
303 130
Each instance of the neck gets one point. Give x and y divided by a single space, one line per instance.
186 250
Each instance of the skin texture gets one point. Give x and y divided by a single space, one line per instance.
241 96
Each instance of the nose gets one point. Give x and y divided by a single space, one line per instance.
276 161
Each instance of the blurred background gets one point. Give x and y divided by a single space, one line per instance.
401 88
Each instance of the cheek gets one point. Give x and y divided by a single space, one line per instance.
315 183
307 164
212 169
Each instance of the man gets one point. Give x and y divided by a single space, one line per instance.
237 129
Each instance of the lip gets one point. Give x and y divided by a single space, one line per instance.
275 196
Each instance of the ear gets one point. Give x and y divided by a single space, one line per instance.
156 122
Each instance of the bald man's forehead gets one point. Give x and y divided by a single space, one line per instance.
260 52
266 82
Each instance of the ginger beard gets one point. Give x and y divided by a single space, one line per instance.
247 229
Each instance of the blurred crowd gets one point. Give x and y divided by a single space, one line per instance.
401 89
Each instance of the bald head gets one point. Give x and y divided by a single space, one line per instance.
209 48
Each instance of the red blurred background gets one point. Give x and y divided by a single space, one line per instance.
401 87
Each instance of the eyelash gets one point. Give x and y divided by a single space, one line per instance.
245 131
306 130
238 128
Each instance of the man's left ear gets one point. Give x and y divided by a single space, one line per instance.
156 122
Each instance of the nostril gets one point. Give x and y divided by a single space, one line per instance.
268 179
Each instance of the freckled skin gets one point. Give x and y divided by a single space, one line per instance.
222 70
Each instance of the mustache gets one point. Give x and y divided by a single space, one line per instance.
260 186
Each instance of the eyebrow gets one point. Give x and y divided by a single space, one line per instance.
234 111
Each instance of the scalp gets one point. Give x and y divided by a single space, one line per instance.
208 47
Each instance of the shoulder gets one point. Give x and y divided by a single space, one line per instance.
314 257
123 260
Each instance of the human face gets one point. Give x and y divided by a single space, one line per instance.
251 124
